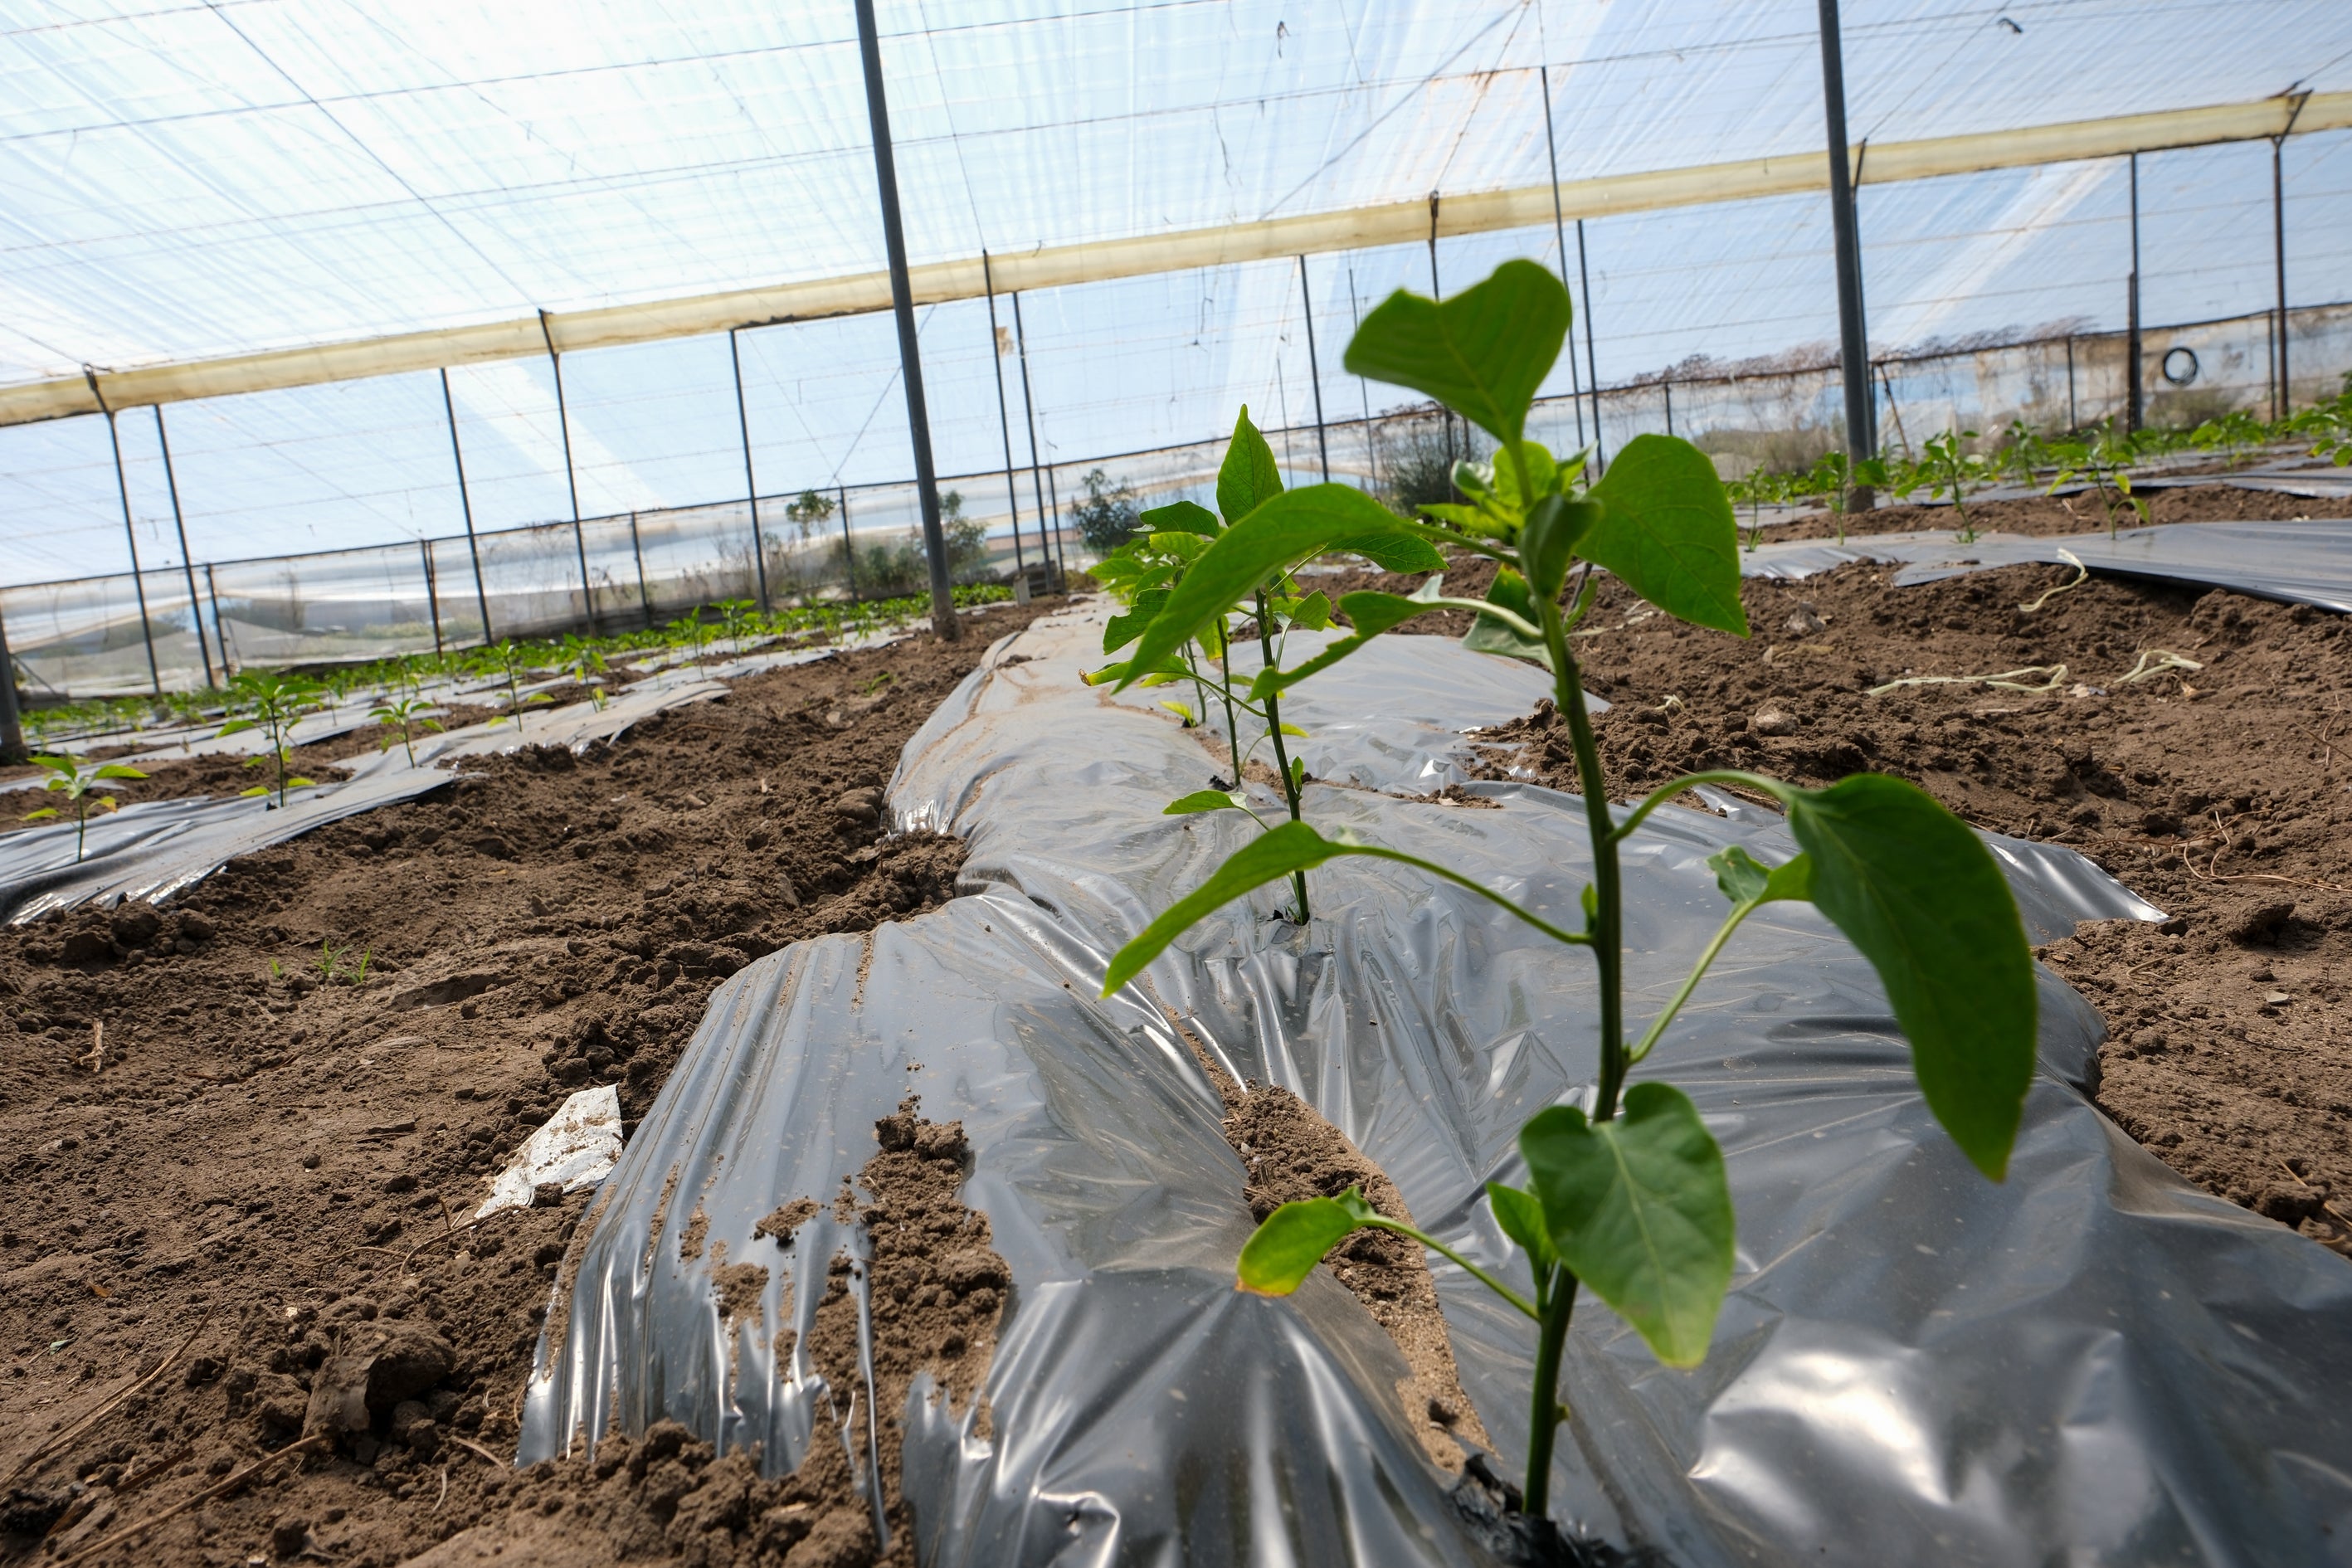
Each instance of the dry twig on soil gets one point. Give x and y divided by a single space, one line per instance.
92 1419
131 1531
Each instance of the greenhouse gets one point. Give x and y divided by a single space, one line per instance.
815 785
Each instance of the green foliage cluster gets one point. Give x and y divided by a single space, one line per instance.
584 659
1627 1195
77 782
2102 455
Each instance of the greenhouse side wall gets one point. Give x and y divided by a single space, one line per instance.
84 638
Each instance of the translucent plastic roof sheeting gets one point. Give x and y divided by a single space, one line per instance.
190 181
206 178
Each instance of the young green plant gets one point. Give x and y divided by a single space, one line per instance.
1146 571
274 703
409 714
1945 468
75 780
510 665
2104 458
1628 1195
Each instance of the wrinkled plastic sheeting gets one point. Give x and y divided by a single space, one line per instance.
575 1148
2090 1362
575 726
2301 562
2319 482
154 849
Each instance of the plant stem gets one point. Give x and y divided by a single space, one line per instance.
1544 1412
1274 730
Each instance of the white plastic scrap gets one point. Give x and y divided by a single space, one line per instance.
578 1147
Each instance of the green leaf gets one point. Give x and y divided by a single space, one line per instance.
1913 887
1292 526
1521 1215
1489 635
1124 630
1666 529
1183 545
1548 537
299 782
236 727
1483 354
1372 613
1312 612
1746 879
1181 709
117 771
1289 1242
1248 477
1203 800
1291 730
249 794
1394 550
1182 517
1275 854
37 816
1640 1210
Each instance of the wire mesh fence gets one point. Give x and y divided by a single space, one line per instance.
182 628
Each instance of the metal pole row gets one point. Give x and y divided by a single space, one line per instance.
751 484
570 477
1029 414
131 536
2133 392
1004 415
187 562
1314 369
432 593
944 623
466 505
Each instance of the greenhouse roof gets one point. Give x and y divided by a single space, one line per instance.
192 182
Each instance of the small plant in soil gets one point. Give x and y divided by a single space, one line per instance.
2104 458
330 965
511 663
408 715
75 782
1147 571
1628 1195
274 703
583 661
1948 469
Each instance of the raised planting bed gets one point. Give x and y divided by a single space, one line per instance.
310 1064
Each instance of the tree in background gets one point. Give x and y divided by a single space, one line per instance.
1107 514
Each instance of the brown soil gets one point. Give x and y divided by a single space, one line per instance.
2079 513
1291 1154
937 1288
2222 796
271 1160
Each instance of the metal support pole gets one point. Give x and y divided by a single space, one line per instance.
571 478
1444 417
1592 365
432 593
637 549
2074 421
465 504
2135 393
944 625
1853 339
1560 238
750 485
848 545
1668 387
1314 369
187 563
1372 445
2278 255
1029 412
12 725
220 630
138 584
1061 547
1003 413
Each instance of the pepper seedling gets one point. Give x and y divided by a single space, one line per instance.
276 703
1628 1195
2105 459
1146 571
509 660
75 780
411 714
